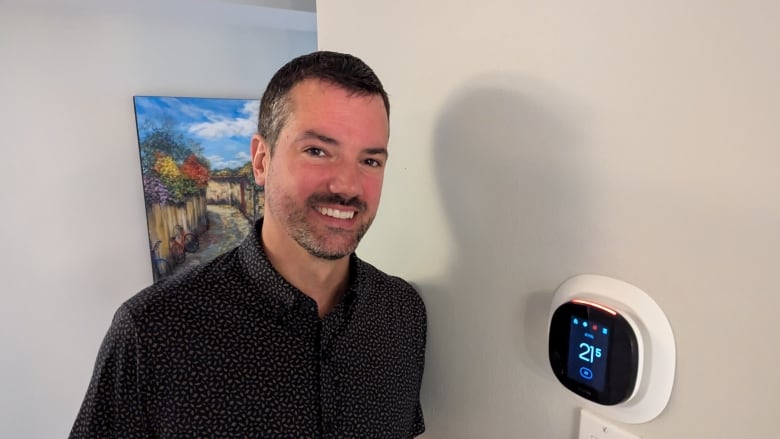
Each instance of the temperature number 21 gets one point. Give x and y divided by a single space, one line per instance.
589 352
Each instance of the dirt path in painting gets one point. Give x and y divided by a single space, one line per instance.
227 228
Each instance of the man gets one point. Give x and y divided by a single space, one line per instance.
290 334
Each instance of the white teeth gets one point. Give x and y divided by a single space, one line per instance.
336 213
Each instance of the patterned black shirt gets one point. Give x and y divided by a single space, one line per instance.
231 349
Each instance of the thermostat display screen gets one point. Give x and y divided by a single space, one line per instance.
588 352
594 351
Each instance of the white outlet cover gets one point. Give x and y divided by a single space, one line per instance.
593 427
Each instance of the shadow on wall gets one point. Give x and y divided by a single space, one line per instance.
508 166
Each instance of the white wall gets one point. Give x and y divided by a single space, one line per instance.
532 141
74 230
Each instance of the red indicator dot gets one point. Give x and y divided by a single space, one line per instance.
595 327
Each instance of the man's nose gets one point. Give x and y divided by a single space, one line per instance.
346 182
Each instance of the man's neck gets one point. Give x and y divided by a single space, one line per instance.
325 281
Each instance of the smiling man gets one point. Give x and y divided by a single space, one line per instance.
290 334
323 178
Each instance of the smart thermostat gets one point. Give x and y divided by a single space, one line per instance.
611 345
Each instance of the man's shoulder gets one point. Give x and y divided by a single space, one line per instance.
390 288
197 284
379 279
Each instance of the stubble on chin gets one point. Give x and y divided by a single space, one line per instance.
328 244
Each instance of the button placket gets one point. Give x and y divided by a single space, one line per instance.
328 384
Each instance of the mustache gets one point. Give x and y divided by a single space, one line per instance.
338 199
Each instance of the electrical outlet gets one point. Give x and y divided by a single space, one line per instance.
593 427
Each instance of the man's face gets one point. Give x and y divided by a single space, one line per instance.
324 180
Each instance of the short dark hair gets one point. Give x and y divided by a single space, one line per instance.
340 69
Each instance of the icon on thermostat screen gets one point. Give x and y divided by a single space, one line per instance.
586 373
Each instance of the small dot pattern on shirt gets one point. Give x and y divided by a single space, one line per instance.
231 349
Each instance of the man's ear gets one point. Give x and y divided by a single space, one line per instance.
261 156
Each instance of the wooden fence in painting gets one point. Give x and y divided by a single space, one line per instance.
163 219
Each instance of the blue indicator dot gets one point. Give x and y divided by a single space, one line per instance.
576 321
604 331
584 324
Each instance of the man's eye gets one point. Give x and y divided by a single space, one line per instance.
317 152
373 163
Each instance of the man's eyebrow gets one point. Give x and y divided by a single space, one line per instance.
311 134
376 151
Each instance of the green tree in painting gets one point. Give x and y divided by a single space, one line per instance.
163 137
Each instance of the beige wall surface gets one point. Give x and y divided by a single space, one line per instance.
532 141
73 238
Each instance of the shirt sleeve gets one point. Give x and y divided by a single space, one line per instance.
112 407
419 421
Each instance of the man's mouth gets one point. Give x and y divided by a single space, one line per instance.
335 213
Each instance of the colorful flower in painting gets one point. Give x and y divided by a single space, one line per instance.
195 171
155 191
166 167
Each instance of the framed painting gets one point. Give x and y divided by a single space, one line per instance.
199 190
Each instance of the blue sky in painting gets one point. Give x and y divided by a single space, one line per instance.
223 127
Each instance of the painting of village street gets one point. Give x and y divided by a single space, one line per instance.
200 195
